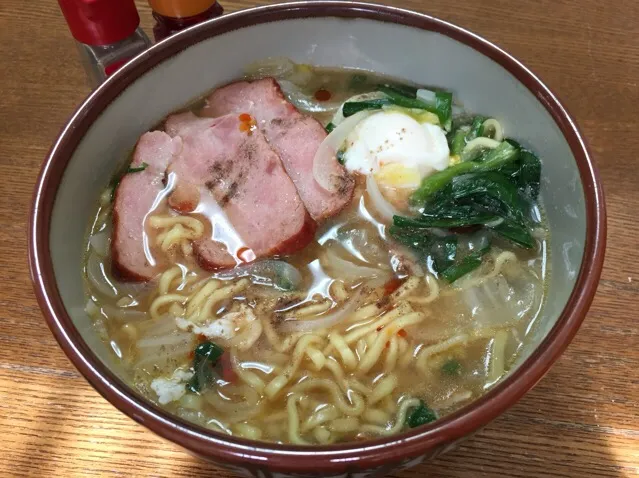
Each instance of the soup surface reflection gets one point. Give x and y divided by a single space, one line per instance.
406 301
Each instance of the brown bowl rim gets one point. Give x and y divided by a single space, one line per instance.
289 458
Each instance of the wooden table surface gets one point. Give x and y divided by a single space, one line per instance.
582 420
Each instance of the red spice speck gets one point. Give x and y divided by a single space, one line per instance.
392 285
202 338
322 95
402 333
245 117
387 344
192 354
380 328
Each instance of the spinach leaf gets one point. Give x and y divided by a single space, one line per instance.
407 97
142 167
497 158
452 368
417 239
525 173
495 186
352 107
401 90
115 182
492 196
444 108
421 415
457 140
206 356
514 232
443 252
455 216
468 264
329 128
476 128
529 175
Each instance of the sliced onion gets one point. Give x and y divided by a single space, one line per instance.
134 289
381 205
306 103
164 340
100 243
97 276
124 314
327 320
478 240
270 272
324 169
276 67
498 302
357 240
347 270
161 326
405 262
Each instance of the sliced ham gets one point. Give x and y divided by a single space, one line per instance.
134 198
294 136
236 179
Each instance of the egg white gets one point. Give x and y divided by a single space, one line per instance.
396 148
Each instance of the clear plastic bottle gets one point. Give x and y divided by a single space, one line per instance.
171 16
107 34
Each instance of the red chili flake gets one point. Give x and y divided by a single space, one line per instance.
245 126
246 118
322 95
228 374
387 344
202 338
380 328
392 285
402 333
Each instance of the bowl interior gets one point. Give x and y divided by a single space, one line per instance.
430 58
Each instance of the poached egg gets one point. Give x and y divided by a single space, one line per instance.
396 148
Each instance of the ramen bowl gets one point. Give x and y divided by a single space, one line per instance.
385 40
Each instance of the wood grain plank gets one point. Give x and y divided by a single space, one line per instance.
580 421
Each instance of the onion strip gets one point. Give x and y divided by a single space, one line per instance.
100 243
382 206
346 269
328 320
324 170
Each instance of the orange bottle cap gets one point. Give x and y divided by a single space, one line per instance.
180 8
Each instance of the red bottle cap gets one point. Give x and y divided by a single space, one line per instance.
100 22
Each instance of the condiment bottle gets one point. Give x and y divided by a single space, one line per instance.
171 16
107 34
